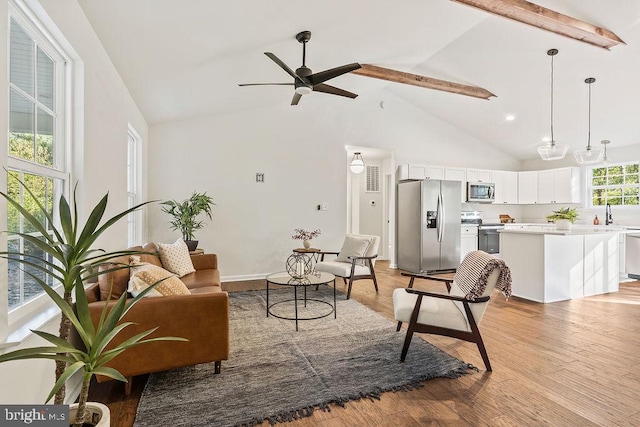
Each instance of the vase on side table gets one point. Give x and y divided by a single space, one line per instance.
306 243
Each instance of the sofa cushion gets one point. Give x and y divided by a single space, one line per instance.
175 257
153 257
200 278
145 275
116 280
353 246
205 290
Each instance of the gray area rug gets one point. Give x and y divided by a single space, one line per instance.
276 374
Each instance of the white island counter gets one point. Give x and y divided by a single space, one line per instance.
550 265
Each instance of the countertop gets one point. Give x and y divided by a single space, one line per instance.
575 229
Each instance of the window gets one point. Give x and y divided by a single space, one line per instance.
134 219
37 141
616 184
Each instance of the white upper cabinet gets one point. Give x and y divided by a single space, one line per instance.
528 187
560 185
458 174
415 171
478 175
506 187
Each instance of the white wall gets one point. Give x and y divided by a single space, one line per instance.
101 145
371 216
301 150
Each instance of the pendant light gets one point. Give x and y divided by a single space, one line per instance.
357 163
588 156
552 150
605 142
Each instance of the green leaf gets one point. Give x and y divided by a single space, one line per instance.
71 369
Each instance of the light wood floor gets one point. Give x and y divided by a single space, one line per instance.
572 363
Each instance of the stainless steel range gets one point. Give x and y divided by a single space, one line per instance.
489 238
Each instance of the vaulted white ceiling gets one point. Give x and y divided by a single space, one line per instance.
183 59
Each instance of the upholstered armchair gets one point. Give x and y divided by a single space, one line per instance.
355 261
458 313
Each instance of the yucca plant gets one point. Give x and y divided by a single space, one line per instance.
70 260
91 359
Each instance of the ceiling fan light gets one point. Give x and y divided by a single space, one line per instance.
303 90
553 151
357 163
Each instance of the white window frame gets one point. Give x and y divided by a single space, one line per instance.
134 187
33 26
591 187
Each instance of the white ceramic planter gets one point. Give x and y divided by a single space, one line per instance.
100 415
563 224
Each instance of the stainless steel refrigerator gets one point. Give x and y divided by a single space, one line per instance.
428 225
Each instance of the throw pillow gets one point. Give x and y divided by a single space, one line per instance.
144 275
175 257
353 246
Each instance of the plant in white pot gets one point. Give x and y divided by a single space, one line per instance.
184 215
563 218
71 260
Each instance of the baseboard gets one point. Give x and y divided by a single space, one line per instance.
244 277
394 266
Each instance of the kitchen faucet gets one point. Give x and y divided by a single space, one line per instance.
608 219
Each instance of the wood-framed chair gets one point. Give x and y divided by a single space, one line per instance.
355 261
453 314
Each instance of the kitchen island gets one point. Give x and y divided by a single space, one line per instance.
549 265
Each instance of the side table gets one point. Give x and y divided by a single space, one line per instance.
197 252
314 253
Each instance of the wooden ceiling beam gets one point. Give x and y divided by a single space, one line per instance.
376 72
547 19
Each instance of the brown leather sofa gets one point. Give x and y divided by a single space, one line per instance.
202 318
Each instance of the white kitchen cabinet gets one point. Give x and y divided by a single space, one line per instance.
528 187
468 240
506 186
560 185
478 175
417 171
458 174
434 172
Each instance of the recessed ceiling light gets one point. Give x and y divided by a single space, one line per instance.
510 117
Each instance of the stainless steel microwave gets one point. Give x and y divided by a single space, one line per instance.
481 192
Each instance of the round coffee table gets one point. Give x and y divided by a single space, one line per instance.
314 279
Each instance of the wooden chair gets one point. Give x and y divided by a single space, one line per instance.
355 261
449 315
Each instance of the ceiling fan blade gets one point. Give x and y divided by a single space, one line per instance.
323 76
296 98
265 84
282 65
322 87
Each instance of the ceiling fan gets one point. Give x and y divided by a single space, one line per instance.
304 80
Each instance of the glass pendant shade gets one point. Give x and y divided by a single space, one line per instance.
357 163
552 150
588 156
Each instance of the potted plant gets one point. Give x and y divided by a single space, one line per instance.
73 261
185 213
563 218
305 236
69 246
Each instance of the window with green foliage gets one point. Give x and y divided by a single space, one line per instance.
616 184
37 141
